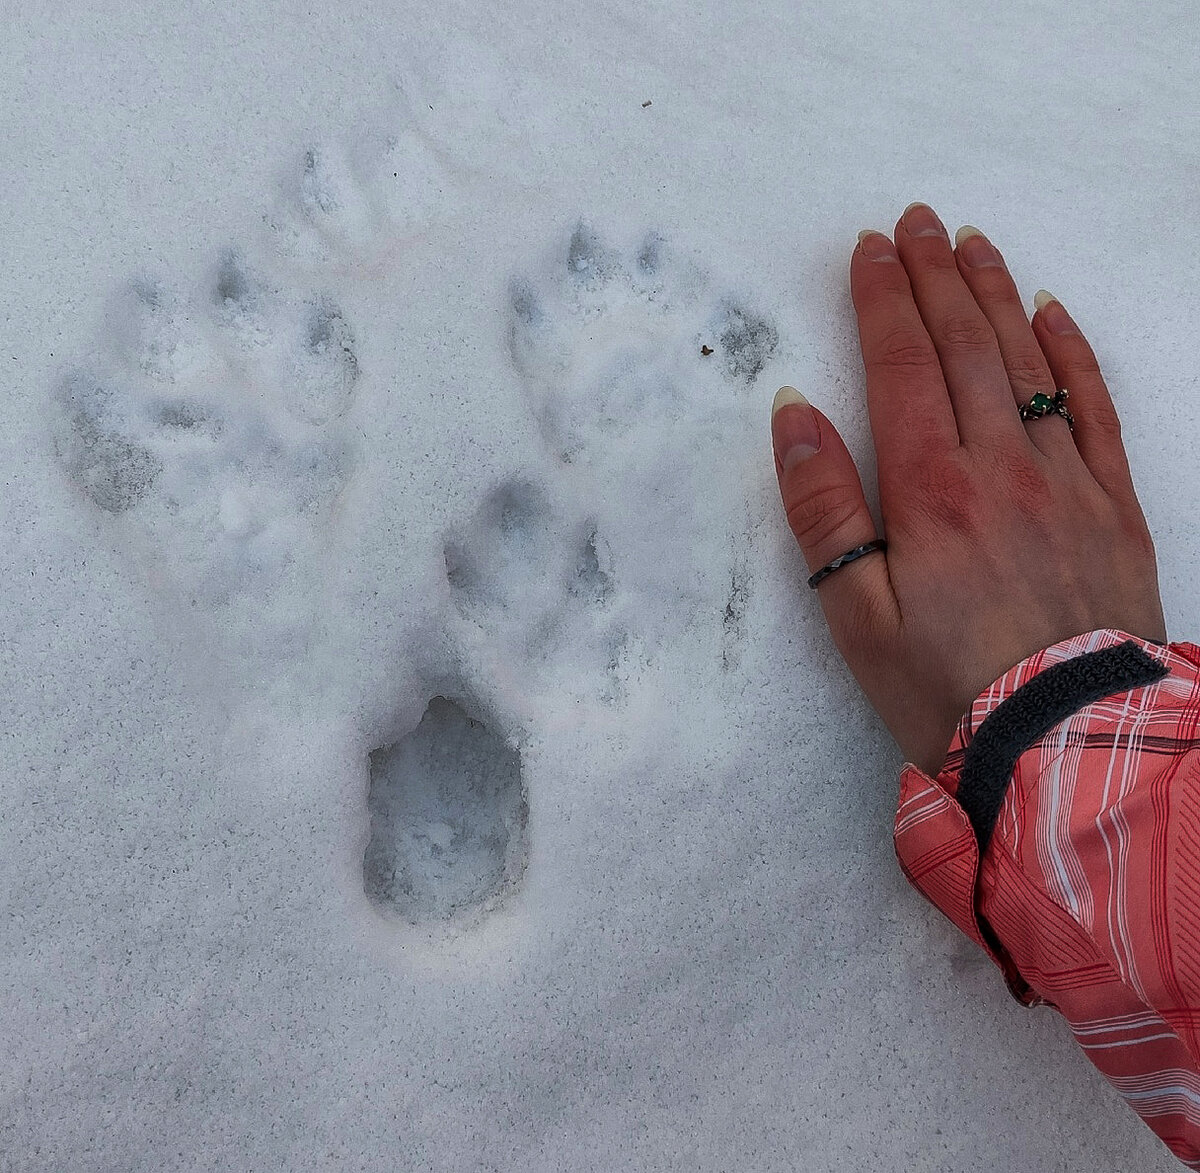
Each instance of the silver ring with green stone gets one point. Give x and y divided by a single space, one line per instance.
1041 405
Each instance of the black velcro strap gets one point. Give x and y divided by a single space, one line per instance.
1032 711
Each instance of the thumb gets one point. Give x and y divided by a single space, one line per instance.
827 512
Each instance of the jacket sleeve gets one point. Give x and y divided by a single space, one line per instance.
1063 836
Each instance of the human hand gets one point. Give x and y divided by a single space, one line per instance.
1004 536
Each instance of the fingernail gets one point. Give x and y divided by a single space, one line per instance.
875 246
921 220
796 434
975 249
1055 318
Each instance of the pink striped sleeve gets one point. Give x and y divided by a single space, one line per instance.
1087 894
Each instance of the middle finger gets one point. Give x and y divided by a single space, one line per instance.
963 337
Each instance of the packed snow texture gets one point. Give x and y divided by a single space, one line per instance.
423 750
448 819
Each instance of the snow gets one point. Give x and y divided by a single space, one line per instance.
423 751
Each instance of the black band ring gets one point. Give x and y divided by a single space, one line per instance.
877 544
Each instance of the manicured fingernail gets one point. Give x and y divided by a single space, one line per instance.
876 247
1056 319
975 248
796 434
921 220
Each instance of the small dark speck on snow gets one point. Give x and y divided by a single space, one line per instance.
706 351
645 103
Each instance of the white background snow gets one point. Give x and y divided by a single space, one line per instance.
352 359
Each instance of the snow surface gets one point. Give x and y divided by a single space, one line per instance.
422 750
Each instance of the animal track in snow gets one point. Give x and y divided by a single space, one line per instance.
449 819
534 584
610 345
355 204
640 377
459 118
209 434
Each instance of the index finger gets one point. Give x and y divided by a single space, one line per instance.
907 397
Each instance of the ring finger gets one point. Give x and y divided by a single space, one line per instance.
983 269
